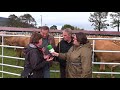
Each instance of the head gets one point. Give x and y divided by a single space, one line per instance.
36 38
67 34
44 31
80 38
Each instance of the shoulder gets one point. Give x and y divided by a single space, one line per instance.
86 50
62 42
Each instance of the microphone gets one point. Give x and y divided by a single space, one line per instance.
50 48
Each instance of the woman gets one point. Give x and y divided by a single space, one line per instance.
79 58
35 60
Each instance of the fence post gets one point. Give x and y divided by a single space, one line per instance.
2 54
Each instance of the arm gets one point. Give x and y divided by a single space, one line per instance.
37 61
86 62
63 55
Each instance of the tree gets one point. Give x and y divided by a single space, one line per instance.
67 26
53 27
13 21
98 19
76 28
25 21
115 20
27 18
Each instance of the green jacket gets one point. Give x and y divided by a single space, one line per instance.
79 61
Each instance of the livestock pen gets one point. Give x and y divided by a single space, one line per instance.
9 69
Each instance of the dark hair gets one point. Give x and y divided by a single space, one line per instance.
35 37
81 37
44 28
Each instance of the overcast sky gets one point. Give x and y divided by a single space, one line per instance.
79 19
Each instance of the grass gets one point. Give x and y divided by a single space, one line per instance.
11 52
107 69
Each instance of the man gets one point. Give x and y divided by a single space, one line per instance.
63 46
47 39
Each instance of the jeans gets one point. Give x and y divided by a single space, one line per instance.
46 71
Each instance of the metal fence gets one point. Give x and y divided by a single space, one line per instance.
93 62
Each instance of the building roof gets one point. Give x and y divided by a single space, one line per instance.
16 29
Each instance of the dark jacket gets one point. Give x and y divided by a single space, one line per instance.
51 41
63 47
34 61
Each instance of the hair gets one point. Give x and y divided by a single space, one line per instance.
44 28
81 37
68 30
35 37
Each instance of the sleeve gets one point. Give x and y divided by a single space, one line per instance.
65 55
86 62
37 61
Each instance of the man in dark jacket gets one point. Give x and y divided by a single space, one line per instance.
63 46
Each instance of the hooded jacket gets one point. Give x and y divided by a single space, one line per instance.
79 61
34 61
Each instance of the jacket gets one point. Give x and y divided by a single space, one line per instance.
79 61
63 47
34 61
51 41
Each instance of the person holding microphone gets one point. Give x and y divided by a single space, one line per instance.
79 57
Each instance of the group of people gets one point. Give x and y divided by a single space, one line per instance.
74 54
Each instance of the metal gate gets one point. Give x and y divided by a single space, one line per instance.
2 64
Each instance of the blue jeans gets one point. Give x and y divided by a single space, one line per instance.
46 71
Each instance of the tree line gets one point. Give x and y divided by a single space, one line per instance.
98 20
27 21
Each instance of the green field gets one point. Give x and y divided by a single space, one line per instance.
11 52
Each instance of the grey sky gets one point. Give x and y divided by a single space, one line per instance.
79 19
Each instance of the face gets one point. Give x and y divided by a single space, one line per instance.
66 36
40 42
75 42
44 33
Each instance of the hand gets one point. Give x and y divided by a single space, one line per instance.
46 56
43 49
55 54
49 59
